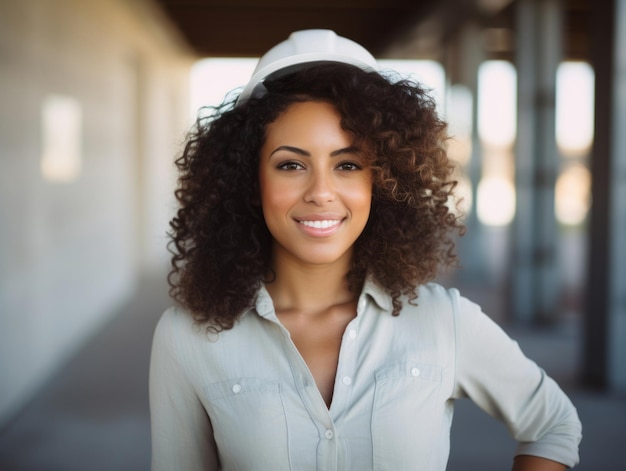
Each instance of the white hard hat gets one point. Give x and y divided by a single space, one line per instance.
304 48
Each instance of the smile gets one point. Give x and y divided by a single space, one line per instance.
324 224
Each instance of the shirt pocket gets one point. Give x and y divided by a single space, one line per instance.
405 422
249 423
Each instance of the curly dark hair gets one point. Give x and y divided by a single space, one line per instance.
220 244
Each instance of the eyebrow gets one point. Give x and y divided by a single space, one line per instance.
297 150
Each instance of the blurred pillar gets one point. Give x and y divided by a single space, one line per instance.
464 56
605 322
535 288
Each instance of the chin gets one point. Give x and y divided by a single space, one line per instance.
324 258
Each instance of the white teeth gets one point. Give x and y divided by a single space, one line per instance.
320 224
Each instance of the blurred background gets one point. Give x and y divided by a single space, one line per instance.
97 97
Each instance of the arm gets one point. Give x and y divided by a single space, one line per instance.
495 374
182 435
533 463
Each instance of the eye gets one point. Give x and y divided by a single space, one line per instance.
290 165
349 166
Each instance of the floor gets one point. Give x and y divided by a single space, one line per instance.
94 413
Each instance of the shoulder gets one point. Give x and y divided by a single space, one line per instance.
432 299
177 332
427 319
434 292
187 347
444 310
175 321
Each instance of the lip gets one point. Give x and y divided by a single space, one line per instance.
319 225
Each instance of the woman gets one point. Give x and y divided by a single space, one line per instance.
313 215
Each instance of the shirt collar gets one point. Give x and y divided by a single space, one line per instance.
377 293
371 290
264 304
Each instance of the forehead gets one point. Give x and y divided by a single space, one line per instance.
307 110
315 119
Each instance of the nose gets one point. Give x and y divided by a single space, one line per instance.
320 188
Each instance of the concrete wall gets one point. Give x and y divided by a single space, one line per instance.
71 251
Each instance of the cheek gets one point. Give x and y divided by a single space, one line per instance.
361 197
366 206
276 197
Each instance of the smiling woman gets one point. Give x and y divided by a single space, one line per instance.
314 212
316 188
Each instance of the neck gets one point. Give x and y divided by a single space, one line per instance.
304 288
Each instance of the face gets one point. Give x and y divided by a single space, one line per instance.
316 186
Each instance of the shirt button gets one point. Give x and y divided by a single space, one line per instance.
329 434
352 334
347 380
415 372
236 388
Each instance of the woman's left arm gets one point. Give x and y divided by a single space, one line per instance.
500 379
534 463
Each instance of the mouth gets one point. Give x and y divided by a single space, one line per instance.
323 224
320 228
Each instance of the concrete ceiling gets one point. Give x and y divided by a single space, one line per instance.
248 28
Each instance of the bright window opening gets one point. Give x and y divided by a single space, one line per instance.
497 103
61 125
574 107
212 79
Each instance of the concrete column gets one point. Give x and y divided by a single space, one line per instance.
617 300
463 64
605 321
535 287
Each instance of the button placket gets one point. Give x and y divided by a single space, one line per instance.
345 371
305 384
347 356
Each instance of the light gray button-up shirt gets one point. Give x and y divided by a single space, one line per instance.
245 399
